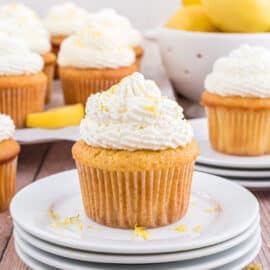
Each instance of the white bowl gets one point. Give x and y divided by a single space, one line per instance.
189 56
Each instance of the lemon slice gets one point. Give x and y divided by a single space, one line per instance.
191 2
57 118
191 18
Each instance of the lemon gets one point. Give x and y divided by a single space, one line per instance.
191 2
191 18
239 15
57 118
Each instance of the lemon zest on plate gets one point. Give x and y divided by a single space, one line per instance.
53 215
197 228
140 232
181 228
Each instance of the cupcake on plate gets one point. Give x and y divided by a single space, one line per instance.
9 150
21 22
64 20
22 82
237 100
135 157
91 61
121 27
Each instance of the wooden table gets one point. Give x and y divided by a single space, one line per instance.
37 161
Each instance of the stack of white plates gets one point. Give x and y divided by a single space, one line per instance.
251 172
220 231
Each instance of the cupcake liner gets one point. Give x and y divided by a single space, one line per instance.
239 131
150 198
48 70
18 101
7 183
78 84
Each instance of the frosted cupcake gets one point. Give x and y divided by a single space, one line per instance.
135 157
237 99
9 150
21 22
121 27
91 61
64 20
22 82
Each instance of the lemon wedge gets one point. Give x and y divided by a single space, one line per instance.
70 115
191 18
191 2
239 16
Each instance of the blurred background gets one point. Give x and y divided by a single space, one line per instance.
143 14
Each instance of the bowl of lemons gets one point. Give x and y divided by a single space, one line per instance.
202 31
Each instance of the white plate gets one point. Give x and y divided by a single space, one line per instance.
235 265
31 205
133 259
208 156
209 262
39 135
233 172
253 185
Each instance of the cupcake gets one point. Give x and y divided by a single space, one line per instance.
64 20
135 157
121 27
19 21
92 61
9 150
22 82
237 100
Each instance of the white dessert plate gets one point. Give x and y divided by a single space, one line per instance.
214 216
253 185
208 262
134 259
235 265
233 172
208 156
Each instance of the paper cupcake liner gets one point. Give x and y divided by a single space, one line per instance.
79 85
149 198
7 183
20 101
239 131
49 72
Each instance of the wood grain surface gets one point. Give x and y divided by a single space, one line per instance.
37 161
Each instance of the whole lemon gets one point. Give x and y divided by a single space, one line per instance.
239 15
191 18
191 2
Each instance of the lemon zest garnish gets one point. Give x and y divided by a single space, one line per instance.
213 210
67 221
193 203
80 226
151 108
113 89
53 215
181 228
103 107
197 228
90 227
140 232
254 267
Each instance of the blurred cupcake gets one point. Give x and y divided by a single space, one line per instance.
91 61
135 159
9 150
64 20
21 22
22 82
237 99
121 27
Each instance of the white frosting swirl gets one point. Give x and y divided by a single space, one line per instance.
16 57
7 127
133 115
244 72
119 25
65 19
94 47
21 22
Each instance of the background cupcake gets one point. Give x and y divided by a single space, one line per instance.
9 150
121 27
64 20
22 82
237 99
21 22
135 159
91 61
